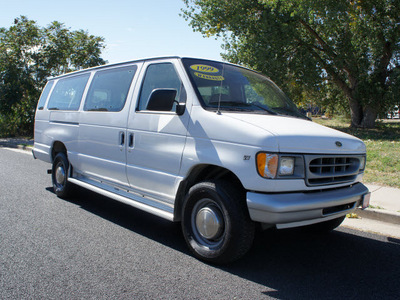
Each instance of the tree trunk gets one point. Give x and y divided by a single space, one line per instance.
369 118
361 117
356 112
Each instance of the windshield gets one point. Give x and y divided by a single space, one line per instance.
226 87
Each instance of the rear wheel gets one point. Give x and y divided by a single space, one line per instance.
60 171
215 222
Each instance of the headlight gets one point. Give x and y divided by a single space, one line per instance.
286 166
270 165
362 163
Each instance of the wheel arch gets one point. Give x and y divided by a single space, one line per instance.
200 173
57 148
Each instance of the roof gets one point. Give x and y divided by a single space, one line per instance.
126 63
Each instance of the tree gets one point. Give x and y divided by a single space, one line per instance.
29 54
350 47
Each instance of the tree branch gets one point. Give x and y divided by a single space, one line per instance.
320 41
327 49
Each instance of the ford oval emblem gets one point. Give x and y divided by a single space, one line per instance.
339 144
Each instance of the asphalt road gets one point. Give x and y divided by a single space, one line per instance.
91 247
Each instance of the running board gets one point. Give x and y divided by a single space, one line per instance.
132 202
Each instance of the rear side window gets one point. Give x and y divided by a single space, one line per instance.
109 89
45 95
67 94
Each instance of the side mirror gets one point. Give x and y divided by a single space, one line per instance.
180 108
163 100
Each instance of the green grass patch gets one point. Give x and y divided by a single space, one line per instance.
375 207
383 149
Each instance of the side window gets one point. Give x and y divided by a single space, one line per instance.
67 94
109 89
160 76
45 95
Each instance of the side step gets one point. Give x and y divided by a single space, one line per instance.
132 202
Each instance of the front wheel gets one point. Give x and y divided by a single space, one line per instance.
60 171
215 222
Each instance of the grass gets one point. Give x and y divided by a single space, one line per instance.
375 207
352 216
383 149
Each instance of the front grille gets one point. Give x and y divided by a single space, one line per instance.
322 170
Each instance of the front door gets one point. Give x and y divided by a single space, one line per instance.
156 139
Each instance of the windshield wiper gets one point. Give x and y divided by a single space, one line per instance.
234 108
291 113
98 109
265 109
229 103
241 106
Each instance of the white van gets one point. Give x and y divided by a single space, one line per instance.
218 147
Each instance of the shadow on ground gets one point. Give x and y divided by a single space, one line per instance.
291 264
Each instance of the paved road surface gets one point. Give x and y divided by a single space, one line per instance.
94 248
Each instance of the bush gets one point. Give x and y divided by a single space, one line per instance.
19 121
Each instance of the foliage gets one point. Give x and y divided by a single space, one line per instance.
333 49
383 149
28 55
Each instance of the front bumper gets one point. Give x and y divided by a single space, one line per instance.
298 209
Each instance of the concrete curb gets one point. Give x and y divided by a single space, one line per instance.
21 147
379 215
27 148
16 143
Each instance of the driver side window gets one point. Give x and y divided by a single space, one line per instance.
160 76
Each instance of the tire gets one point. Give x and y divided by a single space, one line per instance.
325 227
59 176
216 223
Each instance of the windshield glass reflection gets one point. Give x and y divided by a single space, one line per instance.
231 88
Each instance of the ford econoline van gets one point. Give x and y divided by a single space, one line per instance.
215 146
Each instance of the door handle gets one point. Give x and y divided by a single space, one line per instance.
130 141
121 138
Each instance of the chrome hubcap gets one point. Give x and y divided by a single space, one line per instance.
60 175
209 222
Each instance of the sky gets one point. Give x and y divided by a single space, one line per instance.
132 29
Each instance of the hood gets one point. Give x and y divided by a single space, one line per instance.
303 136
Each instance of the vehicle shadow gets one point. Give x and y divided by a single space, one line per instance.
140 222
342 264
291 264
